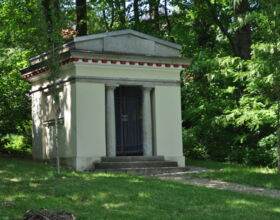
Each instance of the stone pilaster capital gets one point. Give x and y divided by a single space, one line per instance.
147 88
111 86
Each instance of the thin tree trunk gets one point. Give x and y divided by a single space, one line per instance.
136 14
167 17
81 12
57 145
112 16
278 133
156 12
277 91
105 20
52 18
55 94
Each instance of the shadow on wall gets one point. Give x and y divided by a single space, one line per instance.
43 114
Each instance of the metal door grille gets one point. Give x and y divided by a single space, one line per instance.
128 101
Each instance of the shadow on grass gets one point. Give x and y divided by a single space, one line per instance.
109 196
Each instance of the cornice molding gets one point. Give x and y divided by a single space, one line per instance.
77 60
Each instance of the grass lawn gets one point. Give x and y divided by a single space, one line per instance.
31 186
253 176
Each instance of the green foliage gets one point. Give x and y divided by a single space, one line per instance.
229 110
230 106
14 101
192 147
19 143
16 143
18 21
208 92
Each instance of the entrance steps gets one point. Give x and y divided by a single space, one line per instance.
142 165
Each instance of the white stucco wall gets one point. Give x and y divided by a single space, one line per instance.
167 123
90 123
37 126
67 131
42 111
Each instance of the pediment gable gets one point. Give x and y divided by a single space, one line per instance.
126 42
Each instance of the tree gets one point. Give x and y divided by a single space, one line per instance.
136 14
121 12
17 20
154 13
166 14
81 13
52 30
240 41
228 103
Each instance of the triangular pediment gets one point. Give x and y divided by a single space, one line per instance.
126 42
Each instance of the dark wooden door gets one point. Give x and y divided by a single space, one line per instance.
128 101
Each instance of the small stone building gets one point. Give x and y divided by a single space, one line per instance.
119 96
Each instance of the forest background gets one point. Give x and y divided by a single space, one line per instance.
230 93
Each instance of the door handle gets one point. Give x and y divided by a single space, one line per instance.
124 118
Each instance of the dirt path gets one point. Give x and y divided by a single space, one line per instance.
183 178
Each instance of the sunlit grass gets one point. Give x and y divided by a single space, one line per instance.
31 186
231 172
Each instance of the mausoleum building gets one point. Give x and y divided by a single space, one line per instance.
119 95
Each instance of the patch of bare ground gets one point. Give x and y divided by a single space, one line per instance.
183 178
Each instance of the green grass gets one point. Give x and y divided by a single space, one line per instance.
253 176
30 186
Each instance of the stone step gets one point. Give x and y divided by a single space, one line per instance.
132 158
148 171
135 164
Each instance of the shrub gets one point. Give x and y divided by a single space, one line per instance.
13 143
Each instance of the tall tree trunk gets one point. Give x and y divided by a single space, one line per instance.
136 14
47 13
167 17
81 12
202 29
51 13
241 40
121 9
105 20
111 9
154 13
243 34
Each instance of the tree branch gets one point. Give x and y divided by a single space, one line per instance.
213 11
105 20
